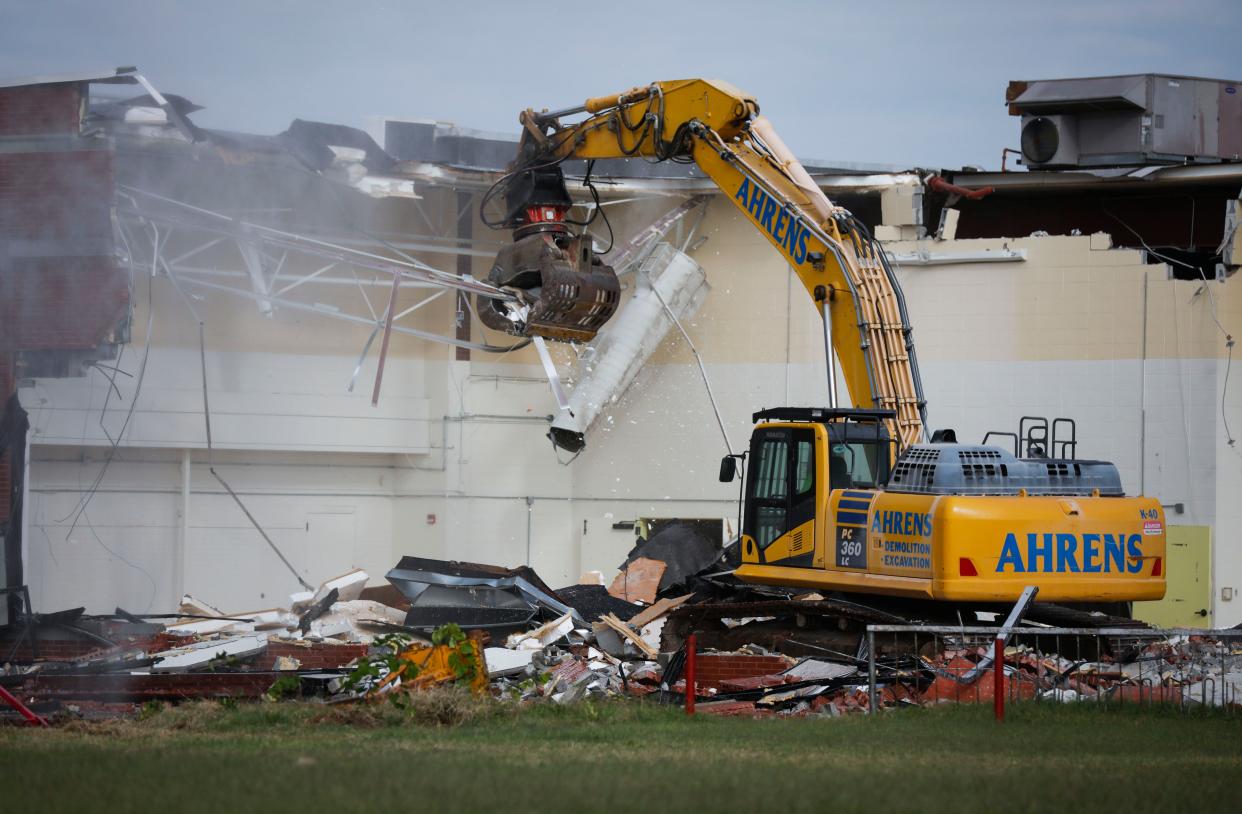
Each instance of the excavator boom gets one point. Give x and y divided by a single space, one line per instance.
719 128
838 498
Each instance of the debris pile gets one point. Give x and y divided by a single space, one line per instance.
471 595
504 632
1134 669
111 661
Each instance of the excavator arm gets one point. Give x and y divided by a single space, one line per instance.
564 291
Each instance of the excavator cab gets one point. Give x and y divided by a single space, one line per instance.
798 457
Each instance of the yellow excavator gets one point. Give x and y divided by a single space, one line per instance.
857 499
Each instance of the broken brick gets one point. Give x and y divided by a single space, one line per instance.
750 683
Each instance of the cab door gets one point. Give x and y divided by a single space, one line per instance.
780 497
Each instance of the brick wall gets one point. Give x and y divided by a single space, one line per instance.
318 656
61 287
64 304
34 110
712 669
53 650
61 197
312 655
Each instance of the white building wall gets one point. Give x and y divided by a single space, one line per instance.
446 464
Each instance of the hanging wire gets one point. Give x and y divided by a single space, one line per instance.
156 262
1207 286
211 464
85 500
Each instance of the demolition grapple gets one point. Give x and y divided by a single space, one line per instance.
564 290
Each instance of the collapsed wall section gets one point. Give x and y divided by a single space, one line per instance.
62 293
61 288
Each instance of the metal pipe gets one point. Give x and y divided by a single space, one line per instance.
702 369
1128 632
441 494
25 504
438 175
554 378
692 689
830 354
1143 398
926 258
1140 178
938 184
500 417
530 511
419 304
998 688
789 277
183 542
298 306
383 354
871 693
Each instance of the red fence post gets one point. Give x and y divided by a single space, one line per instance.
23 710
998 688
691 688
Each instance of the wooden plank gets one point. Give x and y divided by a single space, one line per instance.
657 610
625 630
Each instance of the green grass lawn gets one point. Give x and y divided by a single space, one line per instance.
625 757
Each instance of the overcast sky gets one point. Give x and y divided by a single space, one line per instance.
901 83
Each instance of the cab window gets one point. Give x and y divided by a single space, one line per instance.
804 467
853 465
771 474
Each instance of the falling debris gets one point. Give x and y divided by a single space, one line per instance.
669 281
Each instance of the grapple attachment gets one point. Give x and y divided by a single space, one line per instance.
565 292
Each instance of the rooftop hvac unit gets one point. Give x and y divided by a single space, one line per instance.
1116 121
1050 141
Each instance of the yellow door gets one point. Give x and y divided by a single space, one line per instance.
1188 572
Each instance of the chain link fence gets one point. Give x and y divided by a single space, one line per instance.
928 664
